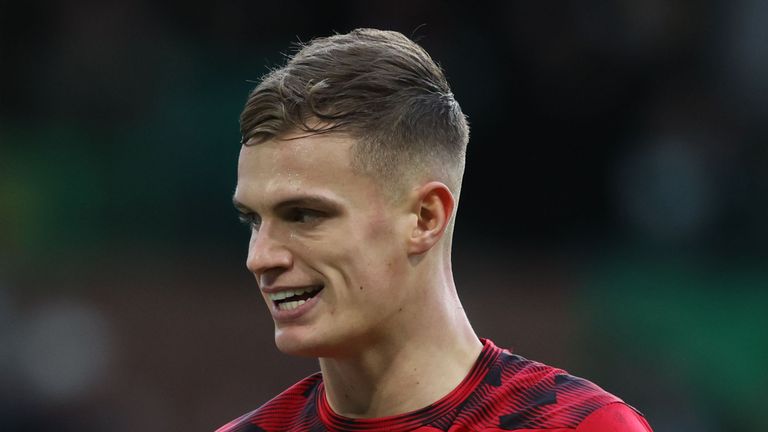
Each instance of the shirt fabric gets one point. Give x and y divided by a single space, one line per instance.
501 392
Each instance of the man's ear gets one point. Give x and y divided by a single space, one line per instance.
433 208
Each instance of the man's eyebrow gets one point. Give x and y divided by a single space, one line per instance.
303 200
240 206
307 200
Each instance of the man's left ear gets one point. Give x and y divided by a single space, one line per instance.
433 207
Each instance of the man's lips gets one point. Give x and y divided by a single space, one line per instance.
289 298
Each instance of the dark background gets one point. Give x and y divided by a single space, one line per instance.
612 221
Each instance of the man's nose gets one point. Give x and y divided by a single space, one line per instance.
267 253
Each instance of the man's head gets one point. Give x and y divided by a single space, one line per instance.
377 87
352 160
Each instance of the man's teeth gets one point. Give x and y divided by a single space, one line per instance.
290 305
280 295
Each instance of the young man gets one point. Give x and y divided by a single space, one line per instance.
349 176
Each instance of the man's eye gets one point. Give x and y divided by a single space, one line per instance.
303 215
251 220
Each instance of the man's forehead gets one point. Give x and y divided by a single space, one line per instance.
282 169
296 151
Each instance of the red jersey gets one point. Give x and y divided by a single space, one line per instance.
502 392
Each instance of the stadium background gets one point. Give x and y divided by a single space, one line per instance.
613 219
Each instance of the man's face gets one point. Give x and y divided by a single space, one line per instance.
327 247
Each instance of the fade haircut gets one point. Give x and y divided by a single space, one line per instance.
378 87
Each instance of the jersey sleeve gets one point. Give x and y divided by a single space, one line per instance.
615 417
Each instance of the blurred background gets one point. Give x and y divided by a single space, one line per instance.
613 217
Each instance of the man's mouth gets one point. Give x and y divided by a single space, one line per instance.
293 298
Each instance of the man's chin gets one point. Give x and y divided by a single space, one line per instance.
296 345
311 341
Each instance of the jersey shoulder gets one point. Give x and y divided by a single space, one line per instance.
615 417
526 394
290 410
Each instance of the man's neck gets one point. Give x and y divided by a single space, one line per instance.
404 373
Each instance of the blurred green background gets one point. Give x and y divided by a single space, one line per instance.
613 216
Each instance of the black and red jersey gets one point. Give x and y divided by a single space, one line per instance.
502 392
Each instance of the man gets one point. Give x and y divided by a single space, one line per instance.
349 176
